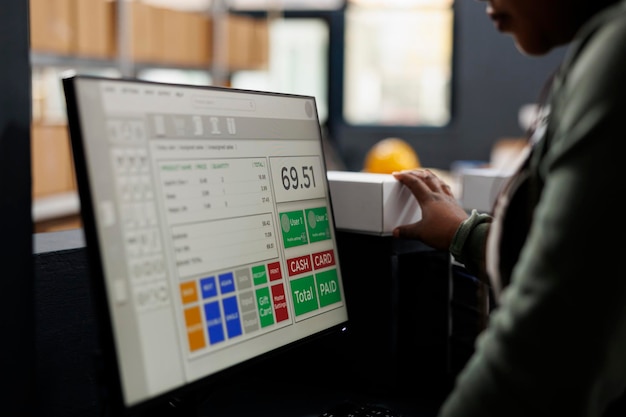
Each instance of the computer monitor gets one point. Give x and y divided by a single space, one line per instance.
209 229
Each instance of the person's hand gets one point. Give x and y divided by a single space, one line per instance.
441 213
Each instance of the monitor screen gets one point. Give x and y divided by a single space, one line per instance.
209 227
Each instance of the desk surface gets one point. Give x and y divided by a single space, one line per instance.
58 241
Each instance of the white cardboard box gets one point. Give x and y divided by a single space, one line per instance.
371 203
480 188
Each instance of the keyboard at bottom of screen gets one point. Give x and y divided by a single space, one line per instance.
350 409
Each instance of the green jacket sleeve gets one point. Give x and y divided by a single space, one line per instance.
469 242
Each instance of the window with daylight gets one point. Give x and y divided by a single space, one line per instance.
398 62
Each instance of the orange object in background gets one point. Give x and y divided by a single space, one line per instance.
390 155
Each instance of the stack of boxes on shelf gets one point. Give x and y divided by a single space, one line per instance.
51 158
156 35
83 30
159 35
73 27
55 203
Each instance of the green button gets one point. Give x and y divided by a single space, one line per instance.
259 275
328 287
304 295
319 227
264 304
294 229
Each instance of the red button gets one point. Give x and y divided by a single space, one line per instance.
299 265
275 272
323 259
280 303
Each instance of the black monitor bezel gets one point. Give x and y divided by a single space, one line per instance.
184 399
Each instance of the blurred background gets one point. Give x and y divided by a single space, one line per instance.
433 73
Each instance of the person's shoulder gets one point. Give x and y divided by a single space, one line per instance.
605 34
590 87
611 25
597 60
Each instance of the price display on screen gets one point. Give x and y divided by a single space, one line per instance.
297 178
